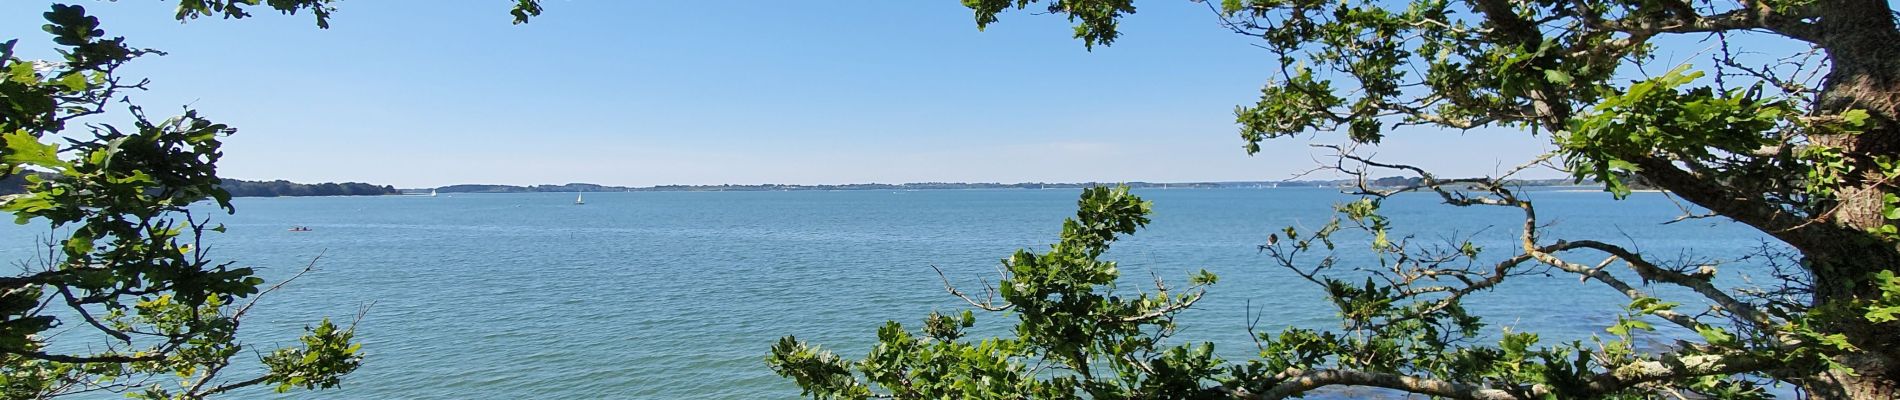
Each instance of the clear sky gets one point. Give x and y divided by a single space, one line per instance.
430 93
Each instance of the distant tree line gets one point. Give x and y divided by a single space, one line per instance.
1398 181
16 184
571 187
127 300
282 188
1788 130
773 187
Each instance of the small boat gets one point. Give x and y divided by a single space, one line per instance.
431 192
300 228
577 199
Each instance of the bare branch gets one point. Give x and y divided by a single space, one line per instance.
1164 311
988 304
280 284
118 359
1303 381
1760 18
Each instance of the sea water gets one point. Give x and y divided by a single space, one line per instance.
680 294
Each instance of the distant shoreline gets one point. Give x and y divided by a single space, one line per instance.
16 184
280 188
590 188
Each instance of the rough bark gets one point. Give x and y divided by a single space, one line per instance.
1864 48
1303 381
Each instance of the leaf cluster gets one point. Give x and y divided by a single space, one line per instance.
1785 152
1075 335
130 273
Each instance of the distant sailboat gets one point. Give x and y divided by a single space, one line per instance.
431 192
577 199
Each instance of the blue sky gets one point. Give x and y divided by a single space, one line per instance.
422 94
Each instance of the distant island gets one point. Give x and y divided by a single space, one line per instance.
242 188
589 187
283 188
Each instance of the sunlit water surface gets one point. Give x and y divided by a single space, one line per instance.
679 295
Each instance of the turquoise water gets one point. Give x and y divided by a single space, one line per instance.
679 295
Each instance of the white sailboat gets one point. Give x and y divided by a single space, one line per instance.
431 192
577 199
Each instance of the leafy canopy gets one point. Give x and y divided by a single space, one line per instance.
1796 144
129 293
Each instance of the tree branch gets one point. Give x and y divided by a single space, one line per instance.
1763 17
1303 381
987 304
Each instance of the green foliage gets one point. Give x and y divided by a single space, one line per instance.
1887 307
525 9
1075 336
132 271
1095 20
234 9
326 356
1653 117
1805 160
1889 204
1387 328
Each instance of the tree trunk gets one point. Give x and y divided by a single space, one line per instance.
1864 48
